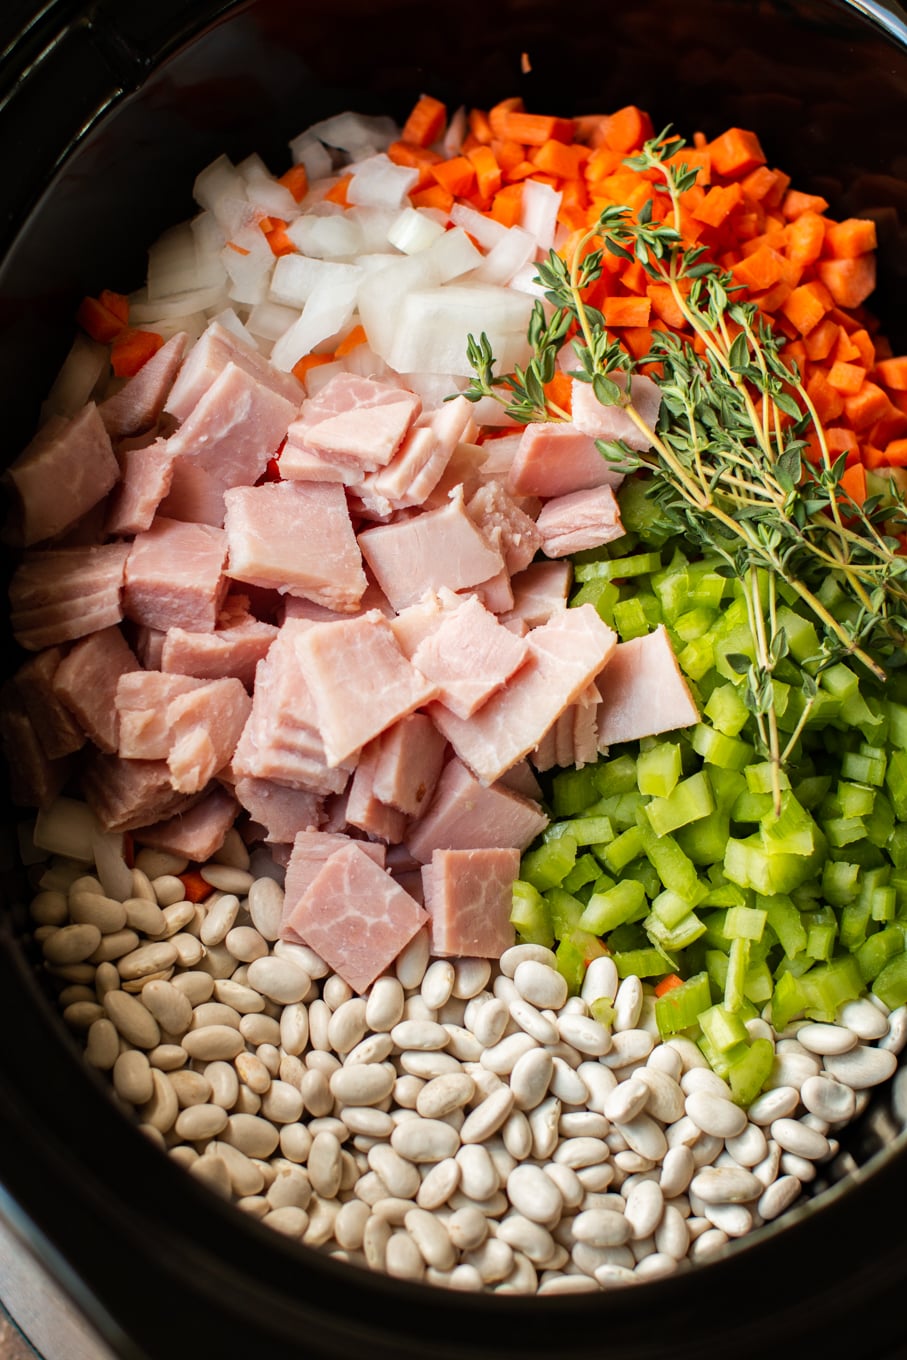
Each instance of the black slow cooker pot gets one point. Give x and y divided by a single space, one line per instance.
108 111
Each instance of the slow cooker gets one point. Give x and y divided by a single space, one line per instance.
108 111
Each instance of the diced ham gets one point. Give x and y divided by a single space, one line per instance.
205 725
146 481
195 496
643 691
125 794
62 474
612 422
387 686
554 459
299 464
539 592
469 656
209 356
410 756
233 430
521 779
585 729
356 420
565 655
505 525
197 833
149 647
86 682
298 537
174 576
364 810
56 728
59 594
140 401
311 851
468 896
418 466
356 917
495 593
235 648
142 703
34 779
417 622
465 814
580 520
500 452
438 548
280 811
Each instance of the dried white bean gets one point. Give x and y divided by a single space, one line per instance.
862 1067
540 984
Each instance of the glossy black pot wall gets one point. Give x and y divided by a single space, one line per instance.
110 111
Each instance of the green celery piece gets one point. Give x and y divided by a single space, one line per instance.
693 624
843 831
896 783
658 769
724 895
671 585
726 711
641 514
792 831
864 769
642 963
629 619
820 939
738 963
643 872
890 985
566 911
751 807
601 593
897 846
716 748
586 830
673 938
786 921
828 985
802 638
883 904
707 587
751 864
670 908
619 568
854 923
880 823
573 791
680 1008
607 910
530 916
585 870
840 681
622 850
760 777
789 1000
697 658
722 1028
745 923
615 776
704 841
811 790
749 1071
715 934
854 800
879 949
691 800
675 869
727 786
897 724
758 984
739 642
548 865
717 964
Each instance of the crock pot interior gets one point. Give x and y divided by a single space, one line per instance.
138 108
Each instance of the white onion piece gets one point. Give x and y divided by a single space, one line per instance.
209 242
356 133
253 168
454 254
327 311
269 320
483 229
539 207
217 181
378 183
432 326
433 388
142 312
273 199
374 223
113 871
326 238
512 253
295 277
314 155
81 371
413 230
487 411
249 267
231 322
363 361
172 263
68 827
387 280
524 281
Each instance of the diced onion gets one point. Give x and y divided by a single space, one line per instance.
539 207
327 311
413 230
68 827
432 326
81 371
379 183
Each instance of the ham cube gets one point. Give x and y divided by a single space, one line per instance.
580 520
59 594
146 481
612 422
565 655
468 896
86 682
505 525
364 810
555 459
209 356
362 652
204 725
423 458
65 471
297 537
410 757
437 548
469 656
174 576
197 833
356 917
142 703
235 647
311 851
140 401
279 811
539 592
643 691
126 794
464 815
56 728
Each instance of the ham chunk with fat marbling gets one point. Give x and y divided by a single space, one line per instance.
565 655
539 592
86 682
311 851
140 401
126 794
145 483
409 762
354 420
364 810
440 547
60 594
235 647
470 656
643 691
197 833
205 725
468 896
505 525
66 470
554 459
279 811
296 537
598 421
142 701
464 815
580 520
208 358
356 917
175 576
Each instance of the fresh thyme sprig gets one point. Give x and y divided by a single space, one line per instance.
729 451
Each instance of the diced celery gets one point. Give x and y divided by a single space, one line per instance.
897 724
675 869
854 923
883 904
880 823
704 841
748 1072
606 910
761 776
601 1008
843 831
811 790
840 681
722 1028
854 800
691 799
821 930
891 984
707 587
828 985
640 963
698 657
530 916
726 710
641 871
789 1000
614 776
549 864
877 950
572 791
787 923
751 807
738 963
864 768
630 619
680 1008
672 938
622 850
566 911
716 964
619 568
587 830
745 923
641 513
751 864
585 870
658 769
896 782
758 984
739 642
897 846
693 624
802 638
716 748
601 593
792 831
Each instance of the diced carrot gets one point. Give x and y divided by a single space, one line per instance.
634 277
295 179
425 122
821 339
667 984
637 339
351 341
131 349
867 406
849 281
277 238
795 203
759 182
118 303
498 115
435 196
806 306
627 311
893 372
805 238
559 391
774 298
574 209
775 196
759 271
592 128
846 378
309 361
556 158
873 457
194 886
489 176
892 426
854 236
508 154
337 192
853 482
535 129
735 153
861 341
479 126
828 402
456 175
420 158
693 160
845 351
628 128
895 453
665 305
602 163
718 204
98 321
517 173
507 205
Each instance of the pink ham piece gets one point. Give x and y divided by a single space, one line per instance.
356 917
464 814
470 656
505 525
580 520
235 647
279 811
420 462
86 682
146 481
198 833
440 547
612 422
204 725
57 729
142 702
555 459
140 401
565 655
305 465
364 810
311 851
539 592
207 359
643 691
34 779
126 794
66 470
174 576
59 594
468 896
362 653
231 433
408 767
297 537
354 420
